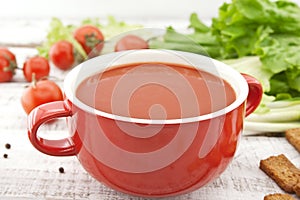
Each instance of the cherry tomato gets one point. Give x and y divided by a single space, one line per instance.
62 54
90 38
40 92
5 74
8 65
8 54
130 42
37 65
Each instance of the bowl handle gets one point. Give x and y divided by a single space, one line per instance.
254 95
42 114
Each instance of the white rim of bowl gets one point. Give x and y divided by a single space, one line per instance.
234 78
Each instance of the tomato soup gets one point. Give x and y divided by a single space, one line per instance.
155 91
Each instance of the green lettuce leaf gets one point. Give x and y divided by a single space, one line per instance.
263 28
200 42
281 55
239 24
197 24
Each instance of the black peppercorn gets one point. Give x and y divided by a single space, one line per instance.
61 170
7 146
5 155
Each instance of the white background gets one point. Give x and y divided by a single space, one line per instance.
179 9
119 8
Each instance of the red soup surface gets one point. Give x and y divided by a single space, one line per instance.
155 91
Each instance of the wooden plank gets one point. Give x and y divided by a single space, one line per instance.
28 173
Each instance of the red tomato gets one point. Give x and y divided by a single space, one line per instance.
5 74
8 54
41 92
8 65
130 42
90 38
37 65
62 54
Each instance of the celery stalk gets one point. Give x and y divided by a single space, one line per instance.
270 127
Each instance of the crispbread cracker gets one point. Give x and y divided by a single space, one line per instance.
282 171
293 136
297 189
279 196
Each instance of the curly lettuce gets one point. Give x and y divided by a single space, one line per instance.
269 30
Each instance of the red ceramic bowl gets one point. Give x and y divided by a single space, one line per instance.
183 155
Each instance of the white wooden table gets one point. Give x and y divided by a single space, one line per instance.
29 174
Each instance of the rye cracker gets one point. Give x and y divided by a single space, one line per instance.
282 171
